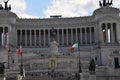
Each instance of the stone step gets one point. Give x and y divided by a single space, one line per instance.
3 49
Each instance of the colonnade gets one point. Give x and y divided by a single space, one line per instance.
109 32
3 36
65 36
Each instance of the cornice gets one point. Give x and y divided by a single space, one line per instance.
62 22
110 18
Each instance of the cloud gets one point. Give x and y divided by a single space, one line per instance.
116 3
19 7
73 8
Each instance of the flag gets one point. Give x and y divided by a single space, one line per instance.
74 46
20 51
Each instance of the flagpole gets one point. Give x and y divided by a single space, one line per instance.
76 45
79 61
21 54
21 63
22 72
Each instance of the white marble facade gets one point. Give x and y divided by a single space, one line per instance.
98 35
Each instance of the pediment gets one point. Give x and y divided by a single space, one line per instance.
109 18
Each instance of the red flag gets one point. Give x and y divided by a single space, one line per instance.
20 51
76 45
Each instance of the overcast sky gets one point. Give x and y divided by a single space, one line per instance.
45 8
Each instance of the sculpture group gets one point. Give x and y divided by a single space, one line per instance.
6 7
105 3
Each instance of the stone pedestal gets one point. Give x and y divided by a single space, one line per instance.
19 77
84 76
53 48
92 77
81 76
2 77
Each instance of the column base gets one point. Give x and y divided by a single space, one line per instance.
81 76
92 77
2 78
19 77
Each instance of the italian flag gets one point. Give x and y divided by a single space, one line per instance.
20 51
74 46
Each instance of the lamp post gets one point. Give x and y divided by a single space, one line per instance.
79 65
99 47
9 58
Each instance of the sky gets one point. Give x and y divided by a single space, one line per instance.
46 8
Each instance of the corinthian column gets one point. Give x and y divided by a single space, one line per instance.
67 36
39 37
62 36
25 37
71 36
58 35
3 37
106 31
30 38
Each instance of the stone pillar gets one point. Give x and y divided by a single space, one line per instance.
76 34
81 36
35 37
106 31
8 35
112 34
30 38
58 36
62 36
39 38
85 35
101 39
20 36
26 37
67 36
47 40
90 36
44 37
3 37
49 36
71 36
93 35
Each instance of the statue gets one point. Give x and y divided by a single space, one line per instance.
53 33
2 67
6 5
109 3
1 8
9 8
100 4
92 66
105 3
